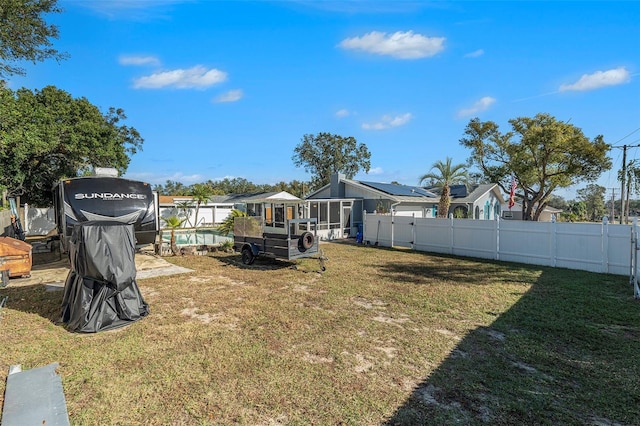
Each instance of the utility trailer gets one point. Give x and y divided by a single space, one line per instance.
102 198
275 229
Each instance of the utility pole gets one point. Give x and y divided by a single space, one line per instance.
613 204
624 177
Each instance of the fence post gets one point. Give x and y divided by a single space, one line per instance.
554 246
364 227
391 227
25 224
451 232
413 230
634 255
604 233
497 232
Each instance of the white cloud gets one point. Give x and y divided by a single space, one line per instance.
481 105
387 122
230 96
598 79
341 113
138 60
183 178
401 45
475 54
375 171
197 77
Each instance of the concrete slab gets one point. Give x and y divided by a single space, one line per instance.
54 274
34 397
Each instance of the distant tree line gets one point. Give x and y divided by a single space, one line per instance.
232 186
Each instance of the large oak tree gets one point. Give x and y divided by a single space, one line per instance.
324 154
543 154
47 135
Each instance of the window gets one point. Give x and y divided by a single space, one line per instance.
254 209
318 210
278 215
268 215
334 215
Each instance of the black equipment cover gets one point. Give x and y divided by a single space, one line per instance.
100 292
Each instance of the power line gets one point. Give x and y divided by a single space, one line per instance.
626 136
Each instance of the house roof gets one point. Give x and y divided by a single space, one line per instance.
400 190
165 200
478 192
258 197
255 197
172 199
464 194
392 191
458 191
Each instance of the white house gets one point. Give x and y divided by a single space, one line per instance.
210 214
213 212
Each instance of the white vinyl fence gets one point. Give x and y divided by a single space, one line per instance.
594 247
5 222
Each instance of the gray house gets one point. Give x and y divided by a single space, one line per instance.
478 201
340 205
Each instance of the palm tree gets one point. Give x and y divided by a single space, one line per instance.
184 208
443 177
201 193
173 222
226 227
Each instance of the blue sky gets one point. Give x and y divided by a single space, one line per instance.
228 89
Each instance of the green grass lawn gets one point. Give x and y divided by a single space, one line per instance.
383 336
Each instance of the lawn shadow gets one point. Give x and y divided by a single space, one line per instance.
436 268
38 299
264 263
562 354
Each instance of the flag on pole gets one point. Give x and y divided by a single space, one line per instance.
512 193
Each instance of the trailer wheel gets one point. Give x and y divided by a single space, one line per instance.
247 256
306 240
